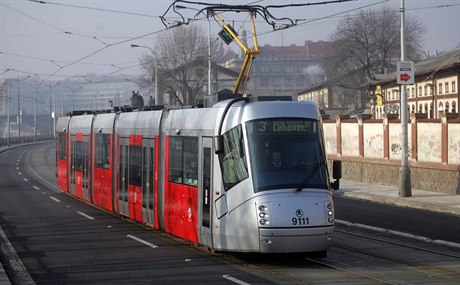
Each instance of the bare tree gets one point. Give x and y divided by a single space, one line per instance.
181 57
366 44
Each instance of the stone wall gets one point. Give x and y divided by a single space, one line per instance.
436 178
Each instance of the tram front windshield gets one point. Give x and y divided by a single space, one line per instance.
286 153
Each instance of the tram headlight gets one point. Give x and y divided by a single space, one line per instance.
262 212
330 213
262 208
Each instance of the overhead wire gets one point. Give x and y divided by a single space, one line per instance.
93 8
107 45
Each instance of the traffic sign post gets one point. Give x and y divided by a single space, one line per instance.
405 72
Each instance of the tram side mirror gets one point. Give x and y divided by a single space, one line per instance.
336 174
219 144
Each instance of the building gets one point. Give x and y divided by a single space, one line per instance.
195 76
284 70
435 89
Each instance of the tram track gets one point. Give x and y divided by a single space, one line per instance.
438 265
296 269
443 253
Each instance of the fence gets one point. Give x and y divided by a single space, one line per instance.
371 150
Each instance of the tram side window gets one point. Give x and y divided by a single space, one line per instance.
62 145
78 156
135 165
233 163
183 160
103 151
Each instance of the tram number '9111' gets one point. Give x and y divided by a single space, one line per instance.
300 221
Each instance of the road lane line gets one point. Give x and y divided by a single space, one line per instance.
85 215
25 179
20 173
233 279
35 187
142 241
55 199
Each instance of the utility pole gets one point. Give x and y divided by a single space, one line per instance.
404 172
8 115
156 70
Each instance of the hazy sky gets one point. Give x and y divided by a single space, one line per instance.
65 38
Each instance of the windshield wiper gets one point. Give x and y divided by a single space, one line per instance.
309 176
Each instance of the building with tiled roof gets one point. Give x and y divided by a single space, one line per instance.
435 89
284 70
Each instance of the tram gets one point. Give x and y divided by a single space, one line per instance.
208 175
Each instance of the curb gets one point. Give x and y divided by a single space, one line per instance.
400 202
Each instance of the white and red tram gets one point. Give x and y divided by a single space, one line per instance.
201 173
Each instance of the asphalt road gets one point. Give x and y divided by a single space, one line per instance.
433 225
61 240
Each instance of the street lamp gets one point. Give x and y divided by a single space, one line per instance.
209 44
156 70
19 108
8 115
52 110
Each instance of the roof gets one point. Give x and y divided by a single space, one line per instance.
310 49
204 62
441 61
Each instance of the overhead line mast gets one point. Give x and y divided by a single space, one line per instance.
228 34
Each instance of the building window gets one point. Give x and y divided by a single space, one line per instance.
446 87
419 91
453 86
425 92
440 88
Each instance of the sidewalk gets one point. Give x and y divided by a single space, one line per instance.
420 199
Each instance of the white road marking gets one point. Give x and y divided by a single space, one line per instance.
142 241
55 199
35 187
20 173
233 279
85 215
25 179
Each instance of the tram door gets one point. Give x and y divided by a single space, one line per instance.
123 176
148 158
205 192
80 166
135 196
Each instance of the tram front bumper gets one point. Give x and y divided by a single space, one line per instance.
295 239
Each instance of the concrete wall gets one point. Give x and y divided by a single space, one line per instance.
370 151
